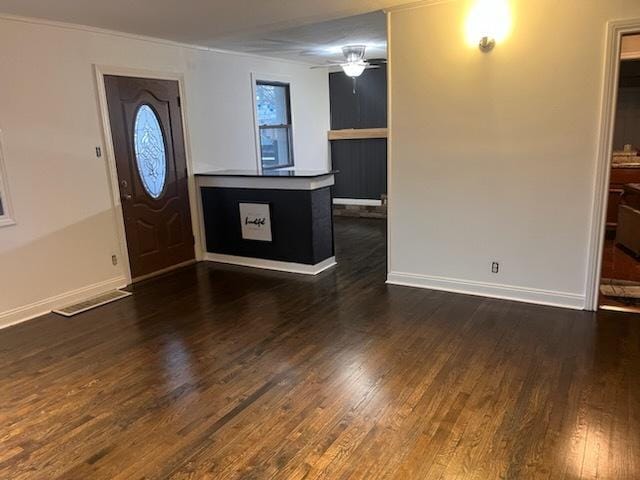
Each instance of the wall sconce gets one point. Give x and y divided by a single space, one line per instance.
489 22
486 44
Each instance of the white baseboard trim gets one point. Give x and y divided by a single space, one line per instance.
272 264
357 201
491 290
27 312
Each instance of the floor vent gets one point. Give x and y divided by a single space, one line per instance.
93 302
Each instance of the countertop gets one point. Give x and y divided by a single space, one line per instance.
284 173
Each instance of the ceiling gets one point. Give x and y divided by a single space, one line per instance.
318 43
295 29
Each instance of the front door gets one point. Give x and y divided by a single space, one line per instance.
146 127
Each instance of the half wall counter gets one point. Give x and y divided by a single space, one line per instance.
276 219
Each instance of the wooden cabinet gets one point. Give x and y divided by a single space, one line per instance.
620 176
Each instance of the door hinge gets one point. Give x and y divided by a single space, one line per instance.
179 103
193 240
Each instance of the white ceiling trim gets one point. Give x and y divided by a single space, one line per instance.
134 36
417 4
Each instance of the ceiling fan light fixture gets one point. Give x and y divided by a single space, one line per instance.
353 69
354 53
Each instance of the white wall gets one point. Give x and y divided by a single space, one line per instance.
493 155
61 246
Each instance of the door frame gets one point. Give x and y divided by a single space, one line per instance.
109 154
615 30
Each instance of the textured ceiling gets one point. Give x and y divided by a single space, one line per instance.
318 43
216 23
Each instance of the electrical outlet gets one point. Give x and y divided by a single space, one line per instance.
495 267
114 260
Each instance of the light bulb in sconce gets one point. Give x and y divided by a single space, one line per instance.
489 22
486 44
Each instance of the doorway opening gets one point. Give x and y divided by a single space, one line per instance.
619 286
145 123
358 136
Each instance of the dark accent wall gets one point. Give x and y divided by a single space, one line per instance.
367 108
362 163
627 127
363 168
301 224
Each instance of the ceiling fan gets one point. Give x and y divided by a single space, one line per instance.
355 62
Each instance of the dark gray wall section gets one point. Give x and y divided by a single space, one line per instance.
301 224
322 222
367 108
363 168
627 128
362 163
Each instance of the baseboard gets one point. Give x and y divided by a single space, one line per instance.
27 312
272 264
492 290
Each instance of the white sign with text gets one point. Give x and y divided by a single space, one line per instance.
255 219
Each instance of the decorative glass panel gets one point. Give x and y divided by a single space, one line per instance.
150 152
272 104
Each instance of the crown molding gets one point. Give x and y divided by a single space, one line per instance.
143 38
417 4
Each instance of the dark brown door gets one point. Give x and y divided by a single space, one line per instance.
146 127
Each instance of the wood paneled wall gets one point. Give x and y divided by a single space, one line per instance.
362 163
627 128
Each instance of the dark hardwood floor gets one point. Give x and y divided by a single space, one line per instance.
217 372
619 264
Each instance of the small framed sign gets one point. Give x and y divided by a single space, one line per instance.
255 220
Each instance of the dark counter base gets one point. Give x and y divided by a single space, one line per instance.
301 224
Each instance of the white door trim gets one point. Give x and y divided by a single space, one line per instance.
109 154
615 30
389 139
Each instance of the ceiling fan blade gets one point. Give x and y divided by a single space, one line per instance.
325 66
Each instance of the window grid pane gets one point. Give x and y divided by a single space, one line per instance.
275 147
273 104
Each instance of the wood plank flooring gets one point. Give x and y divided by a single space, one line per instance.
619 264
217 372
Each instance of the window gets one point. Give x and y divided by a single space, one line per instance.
6 217
273 105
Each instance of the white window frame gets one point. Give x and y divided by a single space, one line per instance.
267 77
7 217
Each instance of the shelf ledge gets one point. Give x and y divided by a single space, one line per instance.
357 133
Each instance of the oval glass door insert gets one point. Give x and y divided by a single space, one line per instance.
150 153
